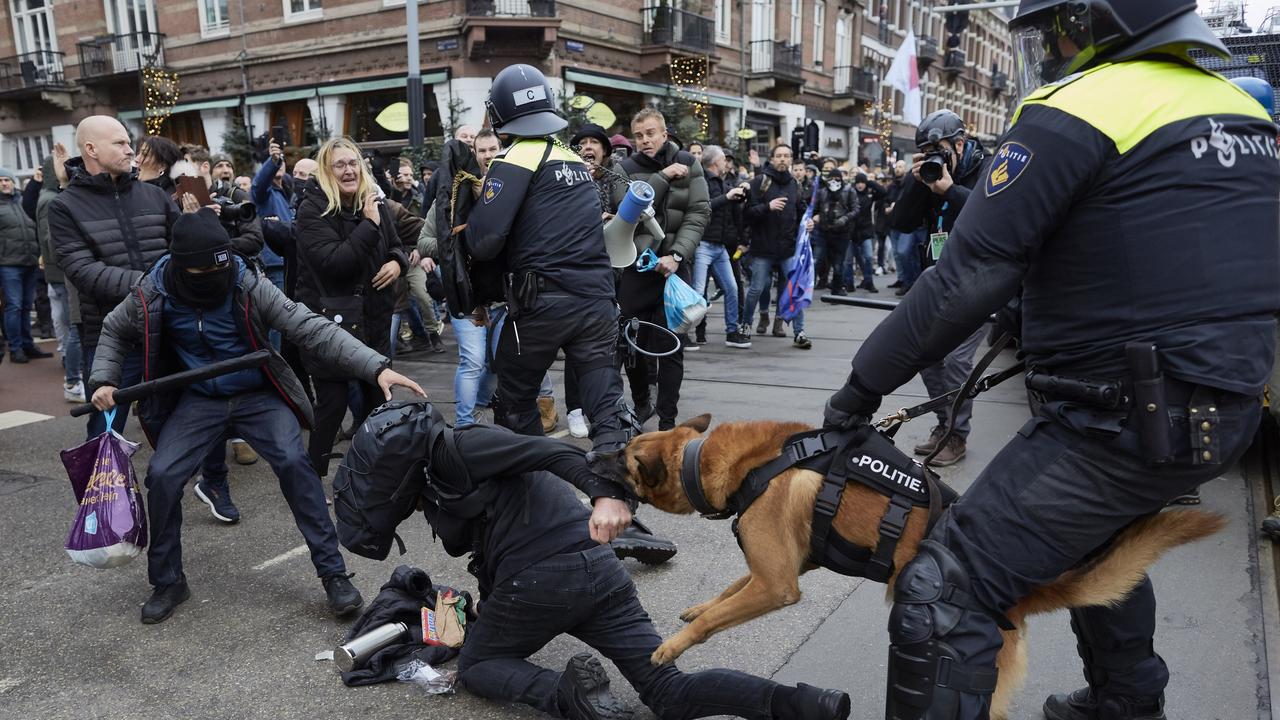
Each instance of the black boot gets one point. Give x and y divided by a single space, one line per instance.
639 542
164 600
437 346
1081 705
814 703
344 598
583 692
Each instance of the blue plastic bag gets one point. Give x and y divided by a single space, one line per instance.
684 307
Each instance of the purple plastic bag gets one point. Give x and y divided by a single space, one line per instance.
111 527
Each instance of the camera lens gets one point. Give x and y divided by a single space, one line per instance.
931 168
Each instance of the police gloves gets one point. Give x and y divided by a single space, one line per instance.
852 406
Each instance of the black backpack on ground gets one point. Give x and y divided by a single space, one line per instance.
383 475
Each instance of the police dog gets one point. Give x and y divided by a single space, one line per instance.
774 535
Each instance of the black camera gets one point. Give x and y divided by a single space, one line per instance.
932 166
233 212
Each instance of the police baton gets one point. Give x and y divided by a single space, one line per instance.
887 305
126 395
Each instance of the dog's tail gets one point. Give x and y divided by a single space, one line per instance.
1109 578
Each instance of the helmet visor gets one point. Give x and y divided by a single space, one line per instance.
1052 46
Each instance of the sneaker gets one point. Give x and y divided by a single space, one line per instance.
164 600
815 703
1081 705
869 287
18 357
700 337
737 340
801 342
927 446
762 327
638 542
952 452
73 392
437 345
839 292
1191 498
578 424
879 271
690 345
902 291
36 353
583 693
219 501
779 329
245 455
547 410
344 598
895 284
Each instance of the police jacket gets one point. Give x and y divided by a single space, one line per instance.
530 512
917 204
340 252
255 307
1167 170
681 205
19 245
106 232
725 225
836 212
539 205
773 234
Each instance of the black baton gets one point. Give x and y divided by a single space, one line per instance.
125 395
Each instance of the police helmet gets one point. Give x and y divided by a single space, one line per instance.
1259 90
940 125
521 103
1055 38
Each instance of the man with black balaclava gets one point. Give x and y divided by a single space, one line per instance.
198 305
835 215
937 204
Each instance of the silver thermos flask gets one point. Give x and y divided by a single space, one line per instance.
355 653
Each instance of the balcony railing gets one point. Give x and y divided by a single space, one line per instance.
884 33
855 82
999 82
775 57
511 8
954 62
678 28
929 52
114 54
31 71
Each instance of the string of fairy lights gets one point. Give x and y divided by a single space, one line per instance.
689 77
160 95
879 115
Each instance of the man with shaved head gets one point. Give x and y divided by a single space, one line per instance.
107 227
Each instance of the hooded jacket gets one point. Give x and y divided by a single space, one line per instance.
773 234
339 253
256 307
18 242
106 232
836 212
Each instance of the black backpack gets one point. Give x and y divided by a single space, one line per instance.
383 475
467 283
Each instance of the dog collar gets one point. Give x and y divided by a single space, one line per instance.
691 479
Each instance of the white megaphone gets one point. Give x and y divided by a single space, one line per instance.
619 233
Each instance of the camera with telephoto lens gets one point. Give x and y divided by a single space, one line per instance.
932 166
235 212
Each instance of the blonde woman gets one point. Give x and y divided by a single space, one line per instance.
352 248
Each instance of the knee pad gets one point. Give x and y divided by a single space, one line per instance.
932 602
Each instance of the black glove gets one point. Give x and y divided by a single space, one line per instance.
850 407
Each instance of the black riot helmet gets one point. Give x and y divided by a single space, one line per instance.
521 103
1055 38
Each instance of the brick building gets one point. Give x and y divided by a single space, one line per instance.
326 67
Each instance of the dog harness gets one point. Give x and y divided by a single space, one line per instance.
863 455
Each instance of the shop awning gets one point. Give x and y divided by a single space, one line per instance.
585 77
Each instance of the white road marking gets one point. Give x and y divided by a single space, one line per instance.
7 684
14 418
282 557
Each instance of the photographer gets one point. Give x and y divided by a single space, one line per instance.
944 171
236 212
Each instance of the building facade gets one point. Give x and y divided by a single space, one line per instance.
312 69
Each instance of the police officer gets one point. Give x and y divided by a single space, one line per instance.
1131 153
539 206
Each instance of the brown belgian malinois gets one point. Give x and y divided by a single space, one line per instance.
774 535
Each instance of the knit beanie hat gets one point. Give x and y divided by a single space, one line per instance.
200 241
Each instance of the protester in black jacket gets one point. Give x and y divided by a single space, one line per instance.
864 232
102 256
352 247
835 217
713 255
774 208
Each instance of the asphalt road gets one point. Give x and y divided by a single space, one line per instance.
244 645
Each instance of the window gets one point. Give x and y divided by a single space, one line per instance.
797 16
35 35
724 20
30 150
819 13
295 10
213 18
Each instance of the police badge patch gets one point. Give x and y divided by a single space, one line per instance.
492 187
1007 166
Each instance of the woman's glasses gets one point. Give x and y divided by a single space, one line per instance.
348 165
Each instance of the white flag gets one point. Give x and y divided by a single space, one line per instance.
904 75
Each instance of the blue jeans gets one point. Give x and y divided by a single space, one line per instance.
905 250
276 276
590 596
862 253
200 423
473 383
68 335
715 258
761 277
131 374
19 286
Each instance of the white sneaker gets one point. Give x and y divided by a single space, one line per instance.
577 424
879 271
73 392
